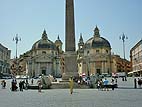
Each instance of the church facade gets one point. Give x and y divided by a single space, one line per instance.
43 58
94 56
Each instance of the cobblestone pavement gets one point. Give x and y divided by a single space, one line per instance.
127 97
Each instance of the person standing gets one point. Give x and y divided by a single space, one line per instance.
112 83
139 82
115 80
101 84
39 85
26 84
98 84
135 83
71 85
32 81
13 83
3 84
106 84
21 86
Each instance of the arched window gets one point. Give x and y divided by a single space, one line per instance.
97 51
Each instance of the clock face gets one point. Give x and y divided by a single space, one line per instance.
80 47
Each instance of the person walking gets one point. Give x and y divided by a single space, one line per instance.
71 85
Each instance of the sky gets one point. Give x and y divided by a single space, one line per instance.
28 19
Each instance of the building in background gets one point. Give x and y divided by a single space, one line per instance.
120 65
136 59
5 54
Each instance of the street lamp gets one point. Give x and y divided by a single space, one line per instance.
16 39
88 65
123 38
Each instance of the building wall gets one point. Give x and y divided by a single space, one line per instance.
4 59
136 58
120 65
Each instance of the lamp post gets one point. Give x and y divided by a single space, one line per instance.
123 38
16 39
88 65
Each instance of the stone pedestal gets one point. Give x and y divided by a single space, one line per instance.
65 85
70 67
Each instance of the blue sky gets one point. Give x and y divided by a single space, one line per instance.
28 19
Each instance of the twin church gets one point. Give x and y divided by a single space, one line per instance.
45 56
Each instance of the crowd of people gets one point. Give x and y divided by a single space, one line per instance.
23 84
101 83
104 84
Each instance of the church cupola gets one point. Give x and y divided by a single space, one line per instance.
96 32
58 44
81 39
58 41
81 43
44 35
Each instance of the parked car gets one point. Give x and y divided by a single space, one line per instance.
6 77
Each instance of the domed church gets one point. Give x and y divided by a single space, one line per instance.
44 57
94 56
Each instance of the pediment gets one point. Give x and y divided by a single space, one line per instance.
43 58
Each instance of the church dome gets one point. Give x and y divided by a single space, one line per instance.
58 41
44 43
97 41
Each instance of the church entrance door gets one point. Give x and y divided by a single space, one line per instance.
98 71
44 72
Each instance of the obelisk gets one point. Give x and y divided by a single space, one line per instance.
70 56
